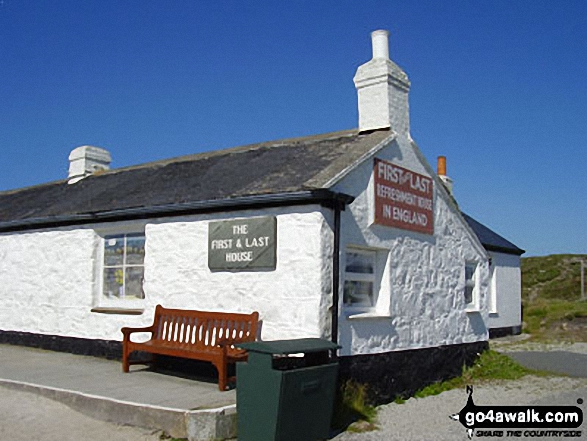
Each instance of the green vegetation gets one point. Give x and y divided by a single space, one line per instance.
490 365
352 406
551 298
555 277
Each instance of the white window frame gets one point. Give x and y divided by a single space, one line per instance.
493 288
101 302
362 277
473 283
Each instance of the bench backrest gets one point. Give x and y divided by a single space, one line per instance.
203 329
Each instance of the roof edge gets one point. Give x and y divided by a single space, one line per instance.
504 250
506 247
449 198
323 197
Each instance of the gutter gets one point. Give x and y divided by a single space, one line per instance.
504 250
323 197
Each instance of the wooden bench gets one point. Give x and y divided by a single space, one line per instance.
198 335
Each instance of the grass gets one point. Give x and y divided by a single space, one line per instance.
490 365
352 406
559 320
555 277
551 298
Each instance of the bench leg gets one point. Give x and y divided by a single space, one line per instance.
125 363
222 375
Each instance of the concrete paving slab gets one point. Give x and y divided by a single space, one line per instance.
98 387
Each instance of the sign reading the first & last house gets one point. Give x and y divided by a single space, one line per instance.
403 198
243 244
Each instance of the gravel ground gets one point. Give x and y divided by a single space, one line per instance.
428 418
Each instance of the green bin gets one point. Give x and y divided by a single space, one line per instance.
285 391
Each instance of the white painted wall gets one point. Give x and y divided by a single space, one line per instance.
292 300
505 306
421 282
47 282
48 279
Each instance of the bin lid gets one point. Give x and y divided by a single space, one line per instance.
284 347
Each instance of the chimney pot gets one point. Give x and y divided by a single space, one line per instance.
442 166
380 42
441 171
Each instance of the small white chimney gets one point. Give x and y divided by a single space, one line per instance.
441 171
85 160
382 88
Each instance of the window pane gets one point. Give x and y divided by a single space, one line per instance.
468 294
359 263
113 250
469 282
124 257
135 250
358 293
469 272
113 282
134 282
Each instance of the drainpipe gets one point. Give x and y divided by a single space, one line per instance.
336 272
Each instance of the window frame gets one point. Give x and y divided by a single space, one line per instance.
493 288
361 277
102 303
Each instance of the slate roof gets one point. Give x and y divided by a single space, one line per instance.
271 168
490 239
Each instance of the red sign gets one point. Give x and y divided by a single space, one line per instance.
403 198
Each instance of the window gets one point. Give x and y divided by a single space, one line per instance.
471 285
359 284
123 267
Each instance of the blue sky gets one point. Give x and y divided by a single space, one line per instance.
499 87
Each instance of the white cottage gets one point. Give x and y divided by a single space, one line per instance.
349 236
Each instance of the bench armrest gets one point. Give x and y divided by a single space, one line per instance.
231 341
127 331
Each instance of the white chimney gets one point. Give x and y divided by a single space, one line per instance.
382 88
441 171
85 160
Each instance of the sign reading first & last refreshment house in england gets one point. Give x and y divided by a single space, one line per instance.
403 198
242 244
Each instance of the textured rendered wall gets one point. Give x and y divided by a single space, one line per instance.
421 279
506 291
46 282
293 300
47 278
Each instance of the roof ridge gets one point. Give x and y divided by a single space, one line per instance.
271 167
300 140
